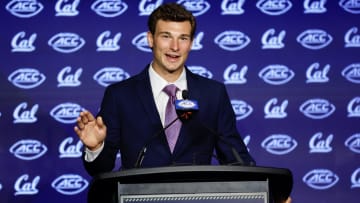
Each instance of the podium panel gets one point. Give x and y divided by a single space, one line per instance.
195 192
193 184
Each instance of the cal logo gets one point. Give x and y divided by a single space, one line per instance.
66 112
274 7
67 79
352 73
317 108
26 78
69 149
270 40
232 40
197 7
67 8
319 144
229 7
28 149
352 38
273 109
316 74
146 7
25 186
70 184
314 39
23 114
24 8
241 109
314 6
355 179
279 144
276 74
234 76
20 43
320 179
353 107
109 75
109 8
105 43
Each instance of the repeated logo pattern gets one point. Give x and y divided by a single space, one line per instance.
293 80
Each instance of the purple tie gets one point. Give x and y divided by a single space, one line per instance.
172 132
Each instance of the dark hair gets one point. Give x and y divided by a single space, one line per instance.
171 12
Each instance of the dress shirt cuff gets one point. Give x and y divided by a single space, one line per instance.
90 156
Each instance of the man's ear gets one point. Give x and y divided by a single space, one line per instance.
150 39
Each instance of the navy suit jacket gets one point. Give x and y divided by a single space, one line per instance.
130 114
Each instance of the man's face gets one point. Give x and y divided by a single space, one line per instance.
171 44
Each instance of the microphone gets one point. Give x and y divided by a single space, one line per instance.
184 109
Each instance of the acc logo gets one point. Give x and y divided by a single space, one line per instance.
241 109
26 78
197 7
140 41
353 143
23 186
279 144
314 39
355 178
317 108
201 71
66 42
350 6
320 179
354 107
24 8
232 40
146 7
352 73
232 8
186 104
276 74
69 184
28 149
109 75
232 76
109 8
66 112
274 7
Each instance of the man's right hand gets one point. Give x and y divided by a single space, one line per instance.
91 131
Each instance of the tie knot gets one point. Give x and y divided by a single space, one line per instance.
170 90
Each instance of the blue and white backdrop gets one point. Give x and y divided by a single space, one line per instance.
292 69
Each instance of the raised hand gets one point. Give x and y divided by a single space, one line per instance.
91 131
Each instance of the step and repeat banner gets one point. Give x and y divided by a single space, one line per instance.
292 70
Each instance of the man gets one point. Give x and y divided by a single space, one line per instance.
132 112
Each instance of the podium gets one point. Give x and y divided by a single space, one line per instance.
193 184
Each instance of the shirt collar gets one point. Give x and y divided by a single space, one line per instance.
158 83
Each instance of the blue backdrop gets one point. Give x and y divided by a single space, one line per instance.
292 70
